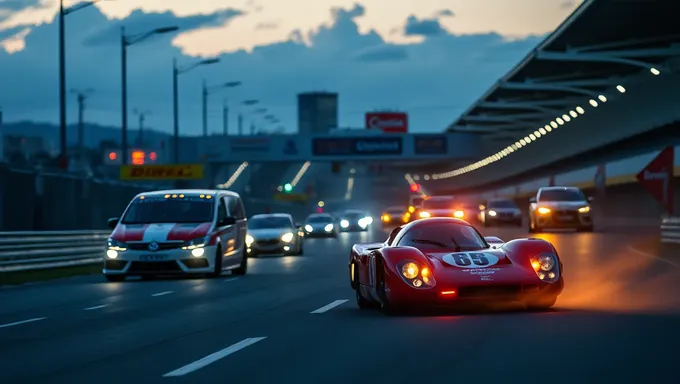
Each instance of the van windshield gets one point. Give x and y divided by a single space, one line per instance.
151 210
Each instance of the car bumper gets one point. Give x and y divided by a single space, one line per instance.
321 233
272 248
503 219
451 296
176 261
573 220
354 228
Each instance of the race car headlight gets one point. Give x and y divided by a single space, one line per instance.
492 213
416 275
287 237
546 267
116 246
196 243
308 228
424 214
585 209
328 227
249 240
543 210
459 214
344 223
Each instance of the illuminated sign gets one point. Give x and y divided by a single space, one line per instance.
161 172
357 146
135 156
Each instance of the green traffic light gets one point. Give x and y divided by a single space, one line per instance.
287 187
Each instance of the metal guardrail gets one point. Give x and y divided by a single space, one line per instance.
26 251
670 230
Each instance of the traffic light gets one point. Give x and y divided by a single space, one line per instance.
415 188
288 188
335 167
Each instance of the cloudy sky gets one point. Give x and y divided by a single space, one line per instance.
430 58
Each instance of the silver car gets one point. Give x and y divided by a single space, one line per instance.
321 225
500 211
274 234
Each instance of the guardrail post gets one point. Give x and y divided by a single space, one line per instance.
38 211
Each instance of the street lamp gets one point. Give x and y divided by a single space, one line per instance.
176 71
247 103
62 74
126 41
206 92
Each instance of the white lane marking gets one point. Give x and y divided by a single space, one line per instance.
95 307
653 256
328 307
229 280
162 293
198 364
22 322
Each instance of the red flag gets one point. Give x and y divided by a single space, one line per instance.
657 178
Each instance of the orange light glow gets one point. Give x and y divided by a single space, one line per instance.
424 214
459 214
535 265
113 156
138 157
448 293
153 156
425 272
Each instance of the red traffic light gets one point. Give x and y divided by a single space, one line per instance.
415 187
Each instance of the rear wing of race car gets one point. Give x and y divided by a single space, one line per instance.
494 241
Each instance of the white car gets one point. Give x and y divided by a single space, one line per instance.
178 232
274 234
321 225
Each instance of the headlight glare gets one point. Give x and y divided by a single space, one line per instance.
328 227
410 270
543 210
308 228
287 237
585 209
249 240
424 214
416 275
117 246
492 213
344 223
459 214
197 243
546 267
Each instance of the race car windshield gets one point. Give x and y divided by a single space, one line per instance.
320 219
269 223
562 195
187 210
502 204
438 204
441 236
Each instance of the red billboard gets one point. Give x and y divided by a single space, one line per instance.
394 122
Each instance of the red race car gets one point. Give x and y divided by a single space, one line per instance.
442 262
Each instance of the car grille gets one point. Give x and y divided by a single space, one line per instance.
489 291
267 242
505 215
156 266
161 246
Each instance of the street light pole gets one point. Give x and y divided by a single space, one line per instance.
62 88
225 119
175 113
205 109
123 58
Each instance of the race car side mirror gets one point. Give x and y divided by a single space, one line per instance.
590 199
113 222
532 200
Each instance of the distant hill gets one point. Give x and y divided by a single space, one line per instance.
94 134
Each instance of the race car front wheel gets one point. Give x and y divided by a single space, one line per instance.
542 303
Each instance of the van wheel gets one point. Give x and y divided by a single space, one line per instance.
243 267
218 263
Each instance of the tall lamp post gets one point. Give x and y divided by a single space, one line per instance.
247 103
126 41
206 91
62 74
176 71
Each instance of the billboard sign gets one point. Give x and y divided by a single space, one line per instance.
161 172
389 122
430 145
363 146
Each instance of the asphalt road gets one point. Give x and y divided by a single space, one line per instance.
294 320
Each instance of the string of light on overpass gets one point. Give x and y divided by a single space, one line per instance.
234 177
531 138
350 186
300 173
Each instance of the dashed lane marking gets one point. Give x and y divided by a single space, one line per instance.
198 364
653 256
95 307
162 293
328 307
22 322
230 280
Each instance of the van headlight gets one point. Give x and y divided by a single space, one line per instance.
249 240
115 245
328 227
196 243
287 237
